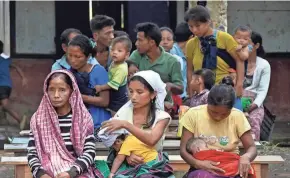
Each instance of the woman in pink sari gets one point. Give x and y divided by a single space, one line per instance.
62 144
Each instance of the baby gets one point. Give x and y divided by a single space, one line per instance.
125 145
229 162
243 38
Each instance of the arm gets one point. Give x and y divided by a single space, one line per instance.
176 83
85 160
243 53
100 88
249 146
263 86
189 159
33 160
149 138
117 163
101 101
189 56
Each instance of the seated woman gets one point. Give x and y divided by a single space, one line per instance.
144 118
61 141
222 127
256 83
88 76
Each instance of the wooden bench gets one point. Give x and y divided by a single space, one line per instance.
260 164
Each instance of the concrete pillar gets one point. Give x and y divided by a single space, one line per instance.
218 12
5 25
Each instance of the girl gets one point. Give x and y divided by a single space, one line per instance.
78 52
222 128
61 144
211 49
256 83
144 118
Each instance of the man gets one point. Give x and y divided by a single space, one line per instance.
102 27
65 38
149 56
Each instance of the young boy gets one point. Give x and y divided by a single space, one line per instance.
118 72
202 81
6 85
229 162
243 38
127 144
132 68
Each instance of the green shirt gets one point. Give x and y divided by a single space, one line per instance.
118 75
166 66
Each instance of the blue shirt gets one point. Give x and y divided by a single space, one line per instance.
98 76
238 104
178 51
5 79
62 63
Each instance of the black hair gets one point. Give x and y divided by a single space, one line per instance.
257 38
194 141
64 37
208 77
182 32
197 14
125 40
131 63
1 47
151 30
167 29
122 137
98 22
152 104
228 81
84 43
61 75
118 33
222 95
243 28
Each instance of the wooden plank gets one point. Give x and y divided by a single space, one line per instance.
264 170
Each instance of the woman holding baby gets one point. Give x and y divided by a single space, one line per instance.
222 128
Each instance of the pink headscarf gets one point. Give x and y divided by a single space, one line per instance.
51 149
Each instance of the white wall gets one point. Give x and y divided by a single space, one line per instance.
271 19
35 27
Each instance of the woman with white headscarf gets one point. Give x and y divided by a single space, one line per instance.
144 116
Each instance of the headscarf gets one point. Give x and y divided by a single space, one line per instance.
158 86
51 149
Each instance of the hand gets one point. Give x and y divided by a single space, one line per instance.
98 88
209 166
168 86
244 166
45 176
24 82
134 160
113 125
239 90
111 175
63 175
252 107
239 48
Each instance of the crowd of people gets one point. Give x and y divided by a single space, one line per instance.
100 91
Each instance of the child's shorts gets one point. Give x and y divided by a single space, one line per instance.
5 92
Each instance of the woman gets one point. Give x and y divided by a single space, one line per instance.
211 49
143 117
222 128
61 144
88 76
256 83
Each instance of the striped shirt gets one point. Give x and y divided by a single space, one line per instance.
82 163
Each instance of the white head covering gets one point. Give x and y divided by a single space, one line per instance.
156 83
109 139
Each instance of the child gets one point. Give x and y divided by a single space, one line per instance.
127 144
201 82
132 68
243 38
118 72
229 162
6 85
